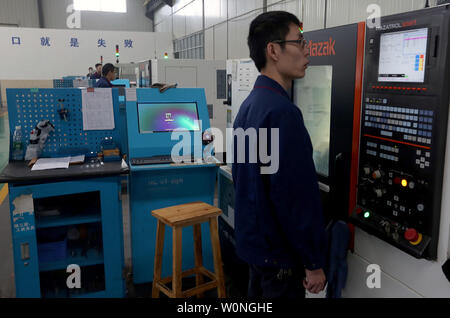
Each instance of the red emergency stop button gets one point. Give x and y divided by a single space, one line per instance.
411 235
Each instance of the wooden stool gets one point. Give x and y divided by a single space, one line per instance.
178 217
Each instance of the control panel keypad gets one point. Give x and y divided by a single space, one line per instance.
413 124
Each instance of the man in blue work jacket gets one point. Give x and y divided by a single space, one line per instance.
279 222
98 73
108 76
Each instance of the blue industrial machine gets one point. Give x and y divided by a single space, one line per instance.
157 182
69 83
121 83
61 217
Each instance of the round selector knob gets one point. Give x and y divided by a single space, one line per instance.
376 174
411 235
420 207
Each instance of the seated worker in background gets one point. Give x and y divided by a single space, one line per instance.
98 74
91 71
108 76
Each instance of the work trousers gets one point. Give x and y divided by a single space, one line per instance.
266 282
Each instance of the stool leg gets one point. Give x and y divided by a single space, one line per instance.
218 269
198 255
158 258
177 262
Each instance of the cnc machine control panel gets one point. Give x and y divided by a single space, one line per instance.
403 130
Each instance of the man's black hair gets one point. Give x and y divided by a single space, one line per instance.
268 27
107 68
98 64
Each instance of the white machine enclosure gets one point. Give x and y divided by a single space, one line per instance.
241 77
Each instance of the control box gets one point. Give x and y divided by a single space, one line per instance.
403 130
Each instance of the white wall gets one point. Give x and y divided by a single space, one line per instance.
30 60
21 13
227 21
55 16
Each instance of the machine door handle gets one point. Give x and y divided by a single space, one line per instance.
25 251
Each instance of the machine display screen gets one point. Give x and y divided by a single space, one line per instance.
167 117
403 56
312 94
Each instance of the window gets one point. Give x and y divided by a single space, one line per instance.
101 5
190 47
313 97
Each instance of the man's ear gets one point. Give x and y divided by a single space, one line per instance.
272 52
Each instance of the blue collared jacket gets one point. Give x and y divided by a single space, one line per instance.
103 82
278 217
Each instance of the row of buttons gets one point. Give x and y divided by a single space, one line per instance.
418 139
377 100
400 88
425 120
424 133
388 148
388 157
424 126
390 121
393 109
424 140
392 115
426 112
392 128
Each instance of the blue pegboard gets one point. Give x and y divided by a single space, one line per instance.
26 107
58 83
68 83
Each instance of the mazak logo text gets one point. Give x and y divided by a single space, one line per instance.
325 48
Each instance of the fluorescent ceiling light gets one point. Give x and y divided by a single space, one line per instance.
100 5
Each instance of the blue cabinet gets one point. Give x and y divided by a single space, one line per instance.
58 224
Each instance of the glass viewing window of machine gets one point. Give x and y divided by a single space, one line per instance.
312 94
403 56
167 117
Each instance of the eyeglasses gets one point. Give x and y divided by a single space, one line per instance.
302 42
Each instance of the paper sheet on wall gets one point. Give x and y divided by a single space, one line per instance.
97 108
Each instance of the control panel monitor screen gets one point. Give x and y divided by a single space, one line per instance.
403 56
167 117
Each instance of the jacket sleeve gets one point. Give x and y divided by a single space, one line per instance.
294 191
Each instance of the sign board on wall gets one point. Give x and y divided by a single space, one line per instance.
29 53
